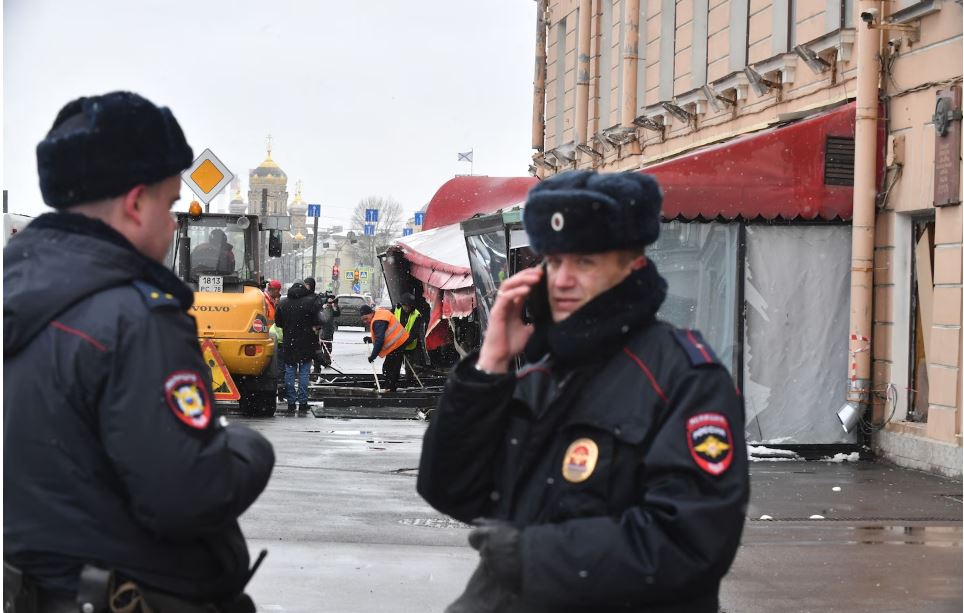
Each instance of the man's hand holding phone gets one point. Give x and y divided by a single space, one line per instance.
507 334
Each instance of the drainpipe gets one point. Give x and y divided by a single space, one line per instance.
630 62
582 71
539 82
862 246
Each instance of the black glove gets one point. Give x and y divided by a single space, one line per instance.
367 340
371 359
483 594
497 542
240 604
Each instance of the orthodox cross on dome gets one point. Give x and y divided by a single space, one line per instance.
298 187
269 145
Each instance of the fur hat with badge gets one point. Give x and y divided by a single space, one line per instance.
100 147
583 211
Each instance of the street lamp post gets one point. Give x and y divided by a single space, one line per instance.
300 242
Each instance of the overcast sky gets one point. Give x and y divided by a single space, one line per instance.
369 98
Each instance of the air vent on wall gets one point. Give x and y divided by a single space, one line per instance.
838 166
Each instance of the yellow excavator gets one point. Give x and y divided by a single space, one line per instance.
219 256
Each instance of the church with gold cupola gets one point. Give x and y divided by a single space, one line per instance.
269 180
268 176
237 205
298 210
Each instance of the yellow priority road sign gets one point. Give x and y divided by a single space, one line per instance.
207 176
222 384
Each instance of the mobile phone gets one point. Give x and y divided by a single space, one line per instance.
537 309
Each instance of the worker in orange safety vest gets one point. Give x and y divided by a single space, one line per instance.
272 295
388 338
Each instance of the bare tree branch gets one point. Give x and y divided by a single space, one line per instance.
391 217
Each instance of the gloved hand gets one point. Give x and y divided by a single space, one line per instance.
371 359
483 594
367 340
497 542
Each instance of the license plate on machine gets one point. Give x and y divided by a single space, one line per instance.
210 283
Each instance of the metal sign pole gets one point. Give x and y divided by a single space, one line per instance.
314 248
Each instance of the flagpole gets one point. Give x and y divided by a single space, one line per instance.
470 158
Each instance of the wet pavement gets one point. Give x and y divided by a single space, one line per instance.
889 540
865 491
347 532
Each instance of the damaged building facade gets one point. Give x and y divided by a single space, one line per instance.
810 155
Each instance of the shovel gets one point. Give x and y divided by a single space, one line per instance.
408 365
375 374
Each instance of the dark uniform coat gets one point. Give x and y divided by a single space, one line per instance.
297 315
620 454
112 446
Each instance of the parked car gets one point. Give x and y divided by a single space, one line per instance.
349 305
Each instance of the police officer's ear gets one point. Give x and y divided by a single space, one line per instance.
635 257
131 204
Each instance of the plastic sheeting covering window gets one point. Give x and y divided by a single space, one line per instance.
699 261
797 292
488 263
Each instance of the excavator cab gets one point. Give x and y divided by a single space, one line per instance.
219 256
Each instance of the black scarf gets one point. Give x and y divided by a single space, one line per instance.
143 267
604 324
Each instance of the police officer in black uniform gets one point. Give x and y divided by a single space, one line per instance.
116 461
610 472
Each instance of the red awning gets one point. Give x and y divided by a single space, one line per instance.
438 259
462 197
777 173
438 256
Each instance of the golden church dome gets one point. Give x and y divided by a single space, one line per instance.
269 171
298 204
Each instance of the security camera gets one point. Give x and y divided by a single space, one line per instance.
869 16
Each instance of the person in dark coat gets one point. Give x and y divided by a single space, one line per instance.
610 472
328 318
319 302
115 454
296 315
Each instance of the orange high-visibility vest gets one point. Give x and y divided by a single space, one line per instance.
395 333
269 307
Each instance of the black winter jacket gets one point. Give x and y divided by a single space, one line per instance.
297 315
620 454
112 446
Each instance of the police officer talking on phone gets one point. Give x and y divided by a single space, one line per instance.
609 473
121 484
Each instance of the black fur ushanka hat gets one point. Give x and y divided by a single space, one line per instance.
582 211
